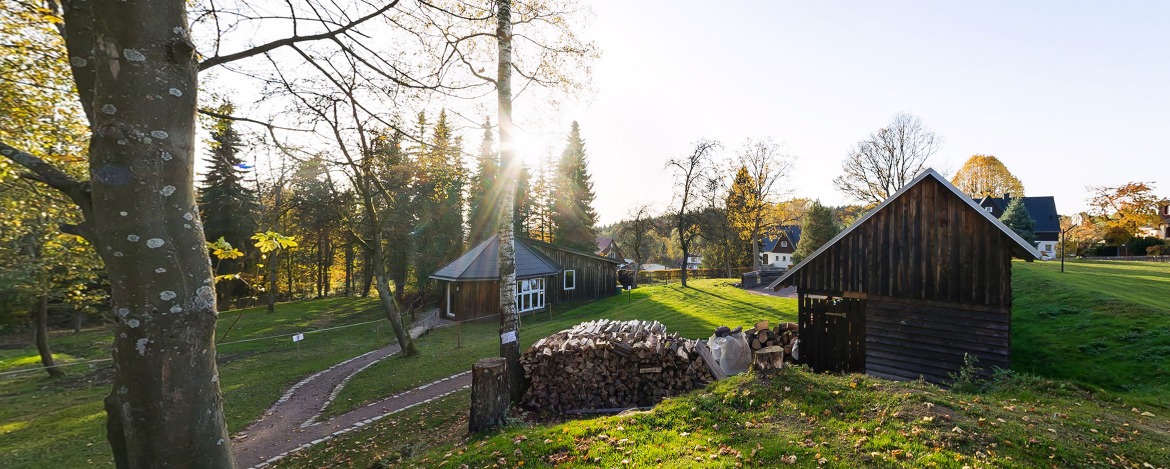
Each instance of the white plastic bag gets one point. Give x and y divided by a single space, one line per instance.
732 352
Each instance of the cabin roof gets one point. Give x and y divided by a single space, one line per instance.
791 231
1021 248
482 262
1041 209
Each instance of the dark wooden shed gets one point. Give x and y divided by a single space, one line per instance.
545 274
909 288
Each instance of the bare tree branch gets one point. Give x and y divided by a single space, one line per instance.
294 39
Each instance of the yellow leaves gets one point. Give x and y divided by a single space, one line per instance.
269 241
222 249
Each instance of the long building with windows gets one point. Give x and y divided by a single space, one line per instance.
545 274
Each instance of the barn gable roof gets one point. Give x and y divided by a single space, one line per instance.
482 262
1022 248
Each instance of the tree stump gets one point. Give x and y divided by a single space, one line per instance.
489 394
769 358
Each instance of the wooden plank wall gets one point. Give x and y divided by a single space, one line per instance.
472 299
907 339
928 244
832 333
596 278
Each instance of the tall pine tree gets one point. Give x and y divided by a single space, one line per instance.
573 217
227 208
484 192
439 236
542 200
524 211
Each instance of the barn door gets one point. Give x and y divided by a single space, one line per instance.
832 333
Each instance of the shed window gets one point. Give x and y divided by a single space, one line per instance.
529 294
570 280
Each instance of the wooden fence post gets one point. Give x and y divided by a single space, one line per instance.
489 394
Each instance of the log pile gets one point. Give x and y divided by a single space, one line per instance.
607 364
783 335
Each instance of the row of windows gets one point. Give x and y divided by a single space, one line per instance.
530 292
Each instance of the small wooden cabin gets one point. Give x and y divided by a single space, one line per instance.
909 288
545 274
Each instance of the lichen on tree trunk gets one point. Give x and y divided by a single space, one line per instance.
136 72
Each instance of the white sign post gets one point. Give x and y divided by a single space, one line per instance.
297 338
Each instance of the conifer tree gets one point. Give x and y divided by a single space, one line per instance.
573 217
542 199
439 236
817 229
1016 217
524 211
227 208
740 202
484 192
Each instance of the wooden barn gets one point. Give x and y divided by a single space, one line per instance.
909 288
545 274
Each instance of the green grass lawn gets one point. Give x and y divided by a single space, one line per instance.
1098 335
693 312
819 420
1083 416
1102 324
48 422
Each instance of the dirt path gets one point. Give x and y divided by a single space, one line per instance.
291 424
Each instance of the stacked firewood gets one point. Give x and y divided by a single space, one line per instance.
607 364
783 335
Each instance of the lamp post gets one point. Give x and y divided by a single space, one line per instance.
1073 222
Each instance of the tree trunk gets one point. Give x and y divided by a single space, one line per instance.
272 273
41 336
289 275
756 263
78 321
378 265
637 269
509 317
165 409
367 274
349 268
683 271
489 394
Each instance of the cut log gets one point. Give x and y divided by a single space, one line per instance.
768 359
489 395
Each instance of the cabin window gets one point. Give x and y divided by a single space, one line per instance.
570 280
529 294
784 244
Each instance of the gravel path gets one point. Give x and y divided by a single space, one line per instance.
291 424
788 292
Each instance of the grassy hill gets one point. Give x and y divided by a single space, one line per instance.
1104 325
1089 350
1062 407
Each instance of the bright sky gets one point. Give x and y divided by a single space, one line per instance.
1066 94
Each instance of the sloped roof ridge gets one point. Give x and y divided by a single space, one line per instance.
928 172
